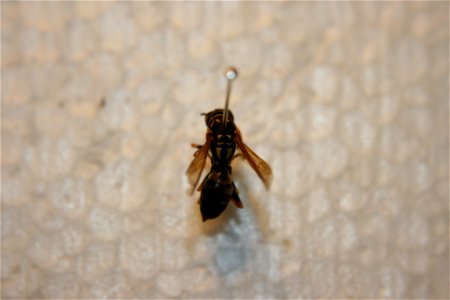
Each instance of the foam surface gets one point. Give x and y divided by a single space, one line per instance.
348 102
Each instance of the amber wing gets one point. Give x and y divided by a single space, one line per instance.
257 163
197 165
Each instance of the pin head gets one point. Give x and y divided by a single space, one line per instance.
231 73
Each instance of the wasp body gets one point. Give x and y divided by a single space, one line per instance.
222 140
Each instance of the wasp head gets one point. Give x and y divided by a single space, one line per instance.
216 116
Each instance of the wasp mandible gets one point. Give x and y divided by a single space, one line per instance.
223 139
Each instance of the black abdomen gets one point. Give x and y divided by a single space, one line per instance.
217 191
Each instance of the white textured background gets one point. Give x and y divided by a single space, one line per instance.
347 101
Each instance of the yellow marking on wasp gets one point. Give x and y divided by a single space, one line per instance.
229 152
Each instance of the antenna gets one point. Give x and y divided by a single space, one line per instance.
230 74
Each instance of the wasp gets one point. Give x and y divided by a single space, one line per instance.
223 144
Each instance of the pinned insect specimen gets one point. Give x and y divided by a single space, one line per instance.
223 140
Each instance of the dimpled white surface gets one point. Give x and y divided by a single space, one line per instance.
348 102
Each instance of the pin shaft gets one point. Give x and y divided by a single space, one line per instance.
231 74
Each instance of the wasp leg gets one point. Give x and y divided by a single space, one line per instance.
235 197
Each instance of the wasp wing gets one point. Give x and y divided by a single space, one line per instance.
257 163
197 165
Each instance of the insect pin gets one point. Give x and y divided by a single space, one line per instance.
223 144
